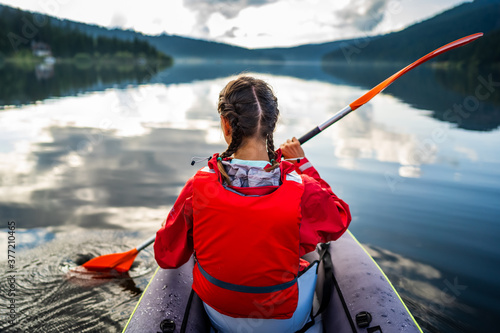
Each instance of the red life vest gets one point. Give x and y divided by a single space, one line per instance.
247 247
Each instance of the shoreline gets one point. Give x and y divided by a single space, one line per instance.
27 60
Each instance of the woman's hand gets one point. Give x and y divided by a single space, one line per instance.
292 149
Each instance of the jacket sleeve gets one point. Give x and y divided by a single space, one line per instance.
325 217
174 241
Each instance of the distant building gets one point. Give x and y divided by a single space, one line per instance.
41 49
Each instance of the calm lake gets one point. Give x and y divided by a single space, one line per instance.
92 160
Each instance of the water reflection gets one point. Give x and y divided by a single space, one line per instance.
117 159
88 160
45 299
25 85
82 166
428 291
465 98
44 71
362 137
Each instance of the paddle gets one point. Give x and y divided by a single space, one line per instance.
384 84
122 262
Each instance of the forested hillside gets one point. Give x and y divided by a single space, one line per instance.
19 29
419 39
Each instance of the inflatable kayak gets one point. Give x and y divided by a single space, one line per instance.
361 298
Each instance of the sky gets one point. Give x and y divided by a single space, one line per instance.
247 23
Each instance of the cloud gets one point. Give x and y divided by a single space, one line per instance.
364 15
118 20
231 33
227 8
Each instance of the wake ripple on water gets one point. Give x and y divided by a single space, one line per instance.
49 299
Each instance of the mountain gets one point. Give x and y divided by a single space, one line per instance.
24 33
486 51
178 47
402 46
421 38
308 52
184 47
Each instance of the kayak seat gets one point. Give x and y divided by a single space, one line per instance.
306 285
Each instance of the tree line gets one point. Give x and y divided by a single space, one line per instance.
18 29
417 40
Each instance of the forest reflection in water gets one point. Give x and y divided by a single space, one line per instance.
463 96
26 84
466 97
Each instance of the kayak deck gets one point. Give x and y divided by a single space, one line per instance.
360 286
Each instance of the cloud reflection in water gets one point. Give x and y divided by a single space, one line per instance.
92 159
426 288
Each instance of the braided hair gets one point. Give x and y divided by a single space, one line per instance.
250 107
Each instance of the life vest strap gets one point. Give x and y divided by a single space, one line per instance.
245 289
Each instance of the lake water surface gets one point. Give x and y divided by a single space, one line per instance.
91 162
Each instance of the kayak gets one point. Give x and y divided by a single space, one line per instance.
362 299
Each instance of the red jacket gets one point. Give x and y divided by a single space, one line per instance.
247 247
325 217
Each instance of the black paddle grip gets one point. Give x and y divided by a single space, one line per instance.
309 135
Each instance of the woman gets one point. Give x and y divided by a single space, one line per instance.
249 216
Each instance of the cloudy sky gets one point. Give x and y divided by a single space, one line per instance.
248 23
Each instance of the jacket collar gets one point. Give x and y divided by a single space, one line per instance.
285 166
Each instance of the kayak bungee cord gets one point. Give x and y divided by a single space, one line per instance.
122 262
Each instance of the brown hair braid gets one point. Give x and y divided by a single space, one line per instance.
251 108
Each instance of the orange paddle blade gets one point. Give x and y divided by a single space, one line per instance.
384 84
121 262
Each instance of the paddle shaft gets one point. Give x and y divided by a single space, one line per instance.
384 84
146 243
318 129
